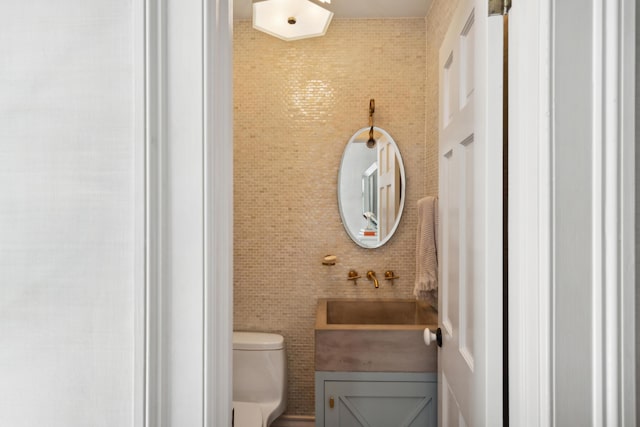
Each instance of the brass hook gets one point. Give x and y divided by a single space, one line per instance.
372 108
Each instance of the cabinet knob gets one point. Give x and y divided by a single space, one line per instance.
331 402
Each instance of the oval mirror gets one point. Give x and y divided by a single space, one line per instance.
371 184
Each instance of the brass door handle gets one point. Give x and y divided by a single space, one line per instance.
331 402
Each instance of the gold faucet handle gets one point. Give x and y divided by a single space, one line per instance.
353 275
389 275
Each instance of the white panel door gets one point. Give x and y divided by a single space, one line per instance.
470 177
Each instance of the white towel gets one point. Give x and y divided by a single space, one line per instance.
426 286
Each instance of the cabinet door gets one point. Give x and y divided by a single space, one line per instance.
380 404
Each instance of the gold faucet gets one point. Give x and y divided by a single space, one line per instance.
371 275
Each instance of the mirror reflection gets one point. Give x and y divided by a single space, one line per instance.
371 186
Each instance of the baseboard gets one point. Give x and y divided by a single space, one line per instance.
295 421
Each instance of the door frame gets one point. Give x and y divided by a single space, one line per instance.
531 228
529 206
188 212
537 254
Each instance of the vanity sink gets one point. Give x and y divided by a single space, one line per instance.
374 335
376 312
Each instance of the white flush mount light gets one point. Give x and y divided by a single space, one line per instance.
291 19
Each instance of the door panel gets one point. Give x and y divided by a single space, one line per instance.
470 180
466 300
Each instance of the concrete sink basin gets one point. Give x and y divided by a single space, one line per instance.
374 335
376 312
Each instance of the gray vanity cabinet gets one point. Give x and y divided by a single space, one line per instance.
376 399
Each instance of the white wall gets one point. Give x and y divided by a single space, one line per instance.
68 248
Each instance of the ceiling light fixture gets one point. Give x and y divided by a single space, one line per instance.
291 19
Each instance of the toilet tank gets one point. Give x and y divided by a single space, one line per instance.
259 367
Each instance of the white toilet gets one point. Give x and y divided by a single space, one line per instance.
259 378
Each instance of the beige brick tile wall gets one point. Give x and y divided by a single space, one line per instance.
296 105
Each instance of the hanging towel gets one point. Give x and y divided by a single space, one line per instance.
426 286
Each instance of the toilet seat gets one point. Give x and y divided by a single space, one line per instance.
246 414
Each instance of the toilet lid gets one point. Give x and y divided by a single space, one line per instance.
246 414
257 341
